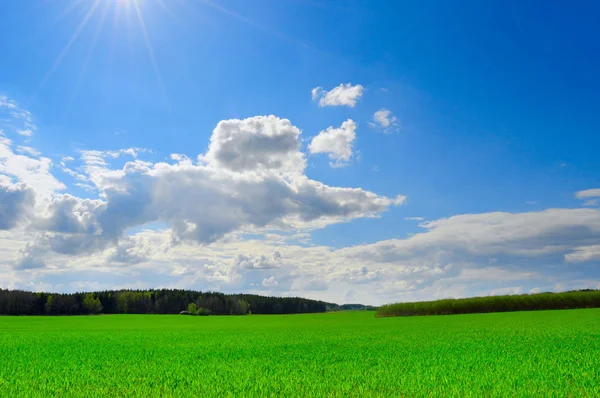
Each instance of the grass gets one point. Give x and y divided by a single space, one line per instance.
542 353
517 302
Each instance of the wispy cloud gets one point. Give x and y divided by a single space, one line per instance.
22 119
588 193
28 150
385 120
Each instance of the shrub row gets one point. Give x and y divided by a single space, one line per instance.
521 302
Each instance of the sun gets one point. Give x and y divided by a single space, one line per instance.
100 9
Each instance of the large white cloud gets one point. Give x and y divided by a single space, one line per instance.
251 178
239 220
337 142
342 95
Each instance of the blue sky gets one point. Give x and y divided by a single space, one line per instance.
483 114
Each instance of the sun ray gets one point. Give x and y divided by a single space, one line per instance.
66 11
255 24
168 11
89 55
150 50
66 49
115 17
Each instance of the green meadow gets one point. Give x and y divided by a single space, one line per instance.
345 354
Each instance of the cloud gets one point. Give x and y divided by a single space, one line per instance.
476 236
129 251
23 120
270 282
257 143
350 295
31 258
16 200
251 178
583 254
588 193
28 150
414 218
447 259
239 218
257 262
34 172
337 142
594 194
342 95
316 92
385 120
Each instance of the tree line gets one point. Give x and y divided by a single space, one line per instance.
522 302
161 301
356 307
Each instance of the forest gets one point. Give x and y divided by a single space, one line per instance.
161 301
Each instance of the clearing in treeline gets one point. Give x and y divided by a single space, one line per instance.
543 353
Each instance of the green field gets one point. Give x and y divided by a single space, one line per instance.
542 353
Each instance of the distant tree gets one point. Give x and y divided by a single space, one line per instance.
203 311
48 306
242 307
192 308
92 304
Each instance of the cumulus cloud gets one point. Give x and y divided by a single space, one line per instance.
31 256
336 142
257 262
270 282
34 172
251 178
256 143
342 95
385 120
129 251
16 201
